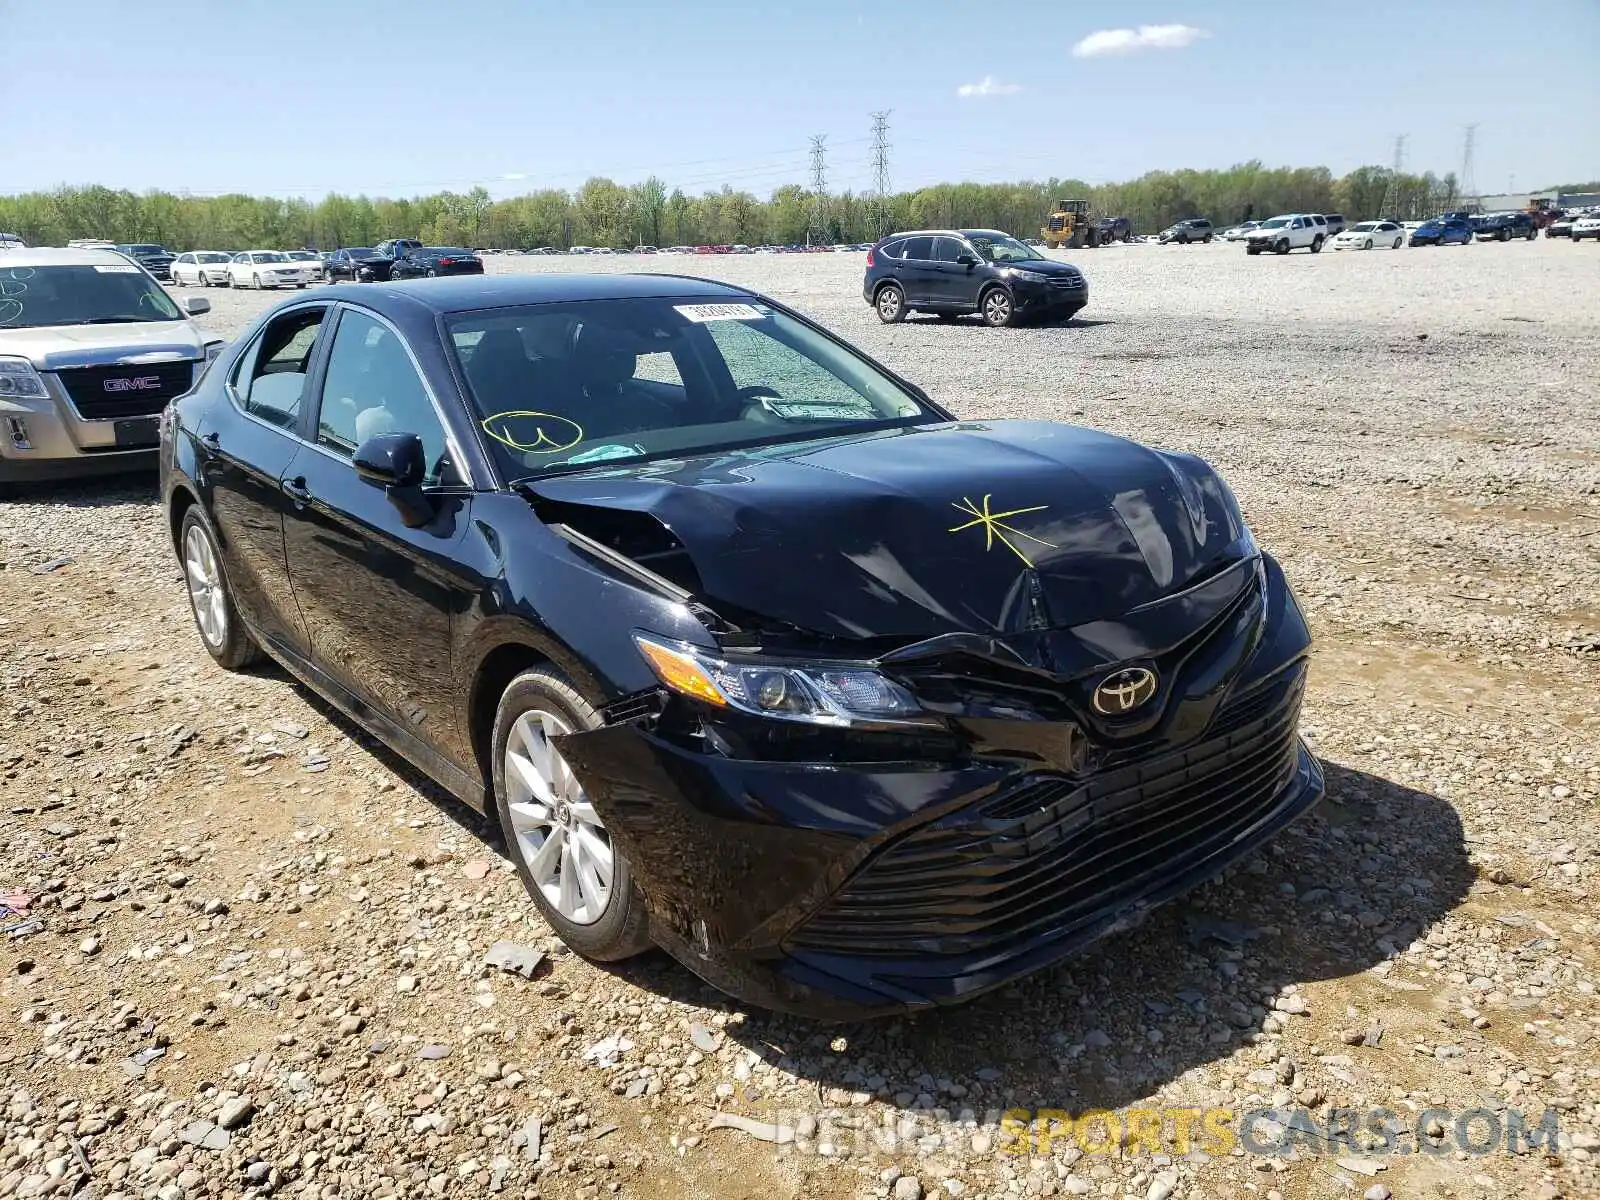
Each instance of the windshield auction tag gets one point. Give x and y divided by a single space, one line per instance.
116 268
701 313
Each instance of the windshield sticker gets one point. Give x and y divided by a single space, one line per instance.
701 313
116 268
536 432
993 525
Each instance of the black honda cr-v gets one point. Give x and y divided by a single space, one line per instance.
955 271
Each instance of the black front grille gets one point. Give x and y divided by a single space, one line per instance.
107 393
1042 858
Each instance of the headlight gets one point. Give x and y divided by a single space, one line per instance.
1027 276
18 378
818 693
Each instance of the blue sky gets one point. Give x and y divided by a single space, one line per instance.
398 97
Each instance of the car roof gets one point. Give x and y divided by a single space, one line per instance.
463 293
63 256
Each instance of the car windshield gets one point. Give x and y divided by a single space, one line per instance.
361 253
997 247
97 294
1277 223
301 255
446 251
564 386
269 256
142 250
1365 227
211 256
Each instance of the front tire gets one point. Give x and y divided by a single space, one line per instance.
1282 247
1368 246
210 600
1397 242
579 881
890 304
998 309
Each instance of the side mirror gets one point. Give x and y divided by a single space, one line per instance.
397 463
196 306
966 260
392 460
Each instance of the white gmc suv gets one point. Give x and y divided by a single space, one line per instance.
1292 231
91 350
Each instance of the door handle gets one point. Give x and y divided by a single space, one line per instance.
296 490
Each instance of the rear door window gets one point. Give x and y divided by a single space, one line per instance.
947 249
919 248
270 378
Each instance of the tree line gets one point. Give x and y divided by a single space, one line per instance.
605 213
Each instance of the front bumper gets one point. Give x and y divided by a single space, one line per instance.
836 886
1049 297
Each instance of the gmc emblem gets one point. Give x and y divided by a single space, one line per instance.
137 383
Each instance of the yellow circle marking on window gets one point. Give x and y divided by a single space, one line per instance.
544 425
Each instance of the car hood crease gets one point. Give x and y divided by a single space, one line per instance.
990 527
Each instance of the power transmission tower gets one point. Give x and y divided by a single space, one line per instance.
817 234
880 172
1391 194
1466 185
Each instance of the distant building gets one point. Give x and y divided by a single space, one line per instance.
1520 201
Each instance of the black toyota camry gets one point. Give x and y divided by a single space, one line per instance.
755 652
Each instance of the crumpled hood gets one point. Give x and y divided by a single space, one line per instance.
998 526
55 346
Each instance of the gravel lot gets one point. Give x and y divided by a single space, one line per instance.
248 951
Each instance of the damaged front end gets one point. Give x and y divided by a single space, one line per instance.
842 825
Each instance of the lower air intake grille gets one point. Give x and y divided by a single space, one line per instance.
1041 857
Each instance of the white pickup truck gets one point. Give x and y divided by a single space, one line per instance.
1292 231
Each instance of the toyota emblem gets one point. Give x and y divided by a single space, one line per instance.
1123 691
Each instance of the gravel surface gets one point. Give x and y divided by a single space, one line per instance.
245 948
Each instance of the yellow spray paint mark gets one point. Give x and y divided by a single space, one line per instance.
994 526
543 442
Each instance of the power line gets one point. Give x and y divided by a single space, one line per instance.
817 234
880 172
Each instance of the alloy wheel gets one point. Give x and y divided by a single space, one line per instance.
997 307
205 588
558 834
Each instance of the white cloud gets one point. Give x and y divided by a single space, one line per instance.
988 86
515 175
1146 37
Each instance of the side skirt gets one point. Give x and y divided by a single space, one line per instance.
463 785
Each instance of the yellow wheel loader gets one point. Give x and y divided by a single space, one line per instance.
1068 225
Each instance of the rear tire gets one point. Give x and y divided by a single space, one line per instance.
210 599
540 703
1316 244
255 282
890 304
1207 239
